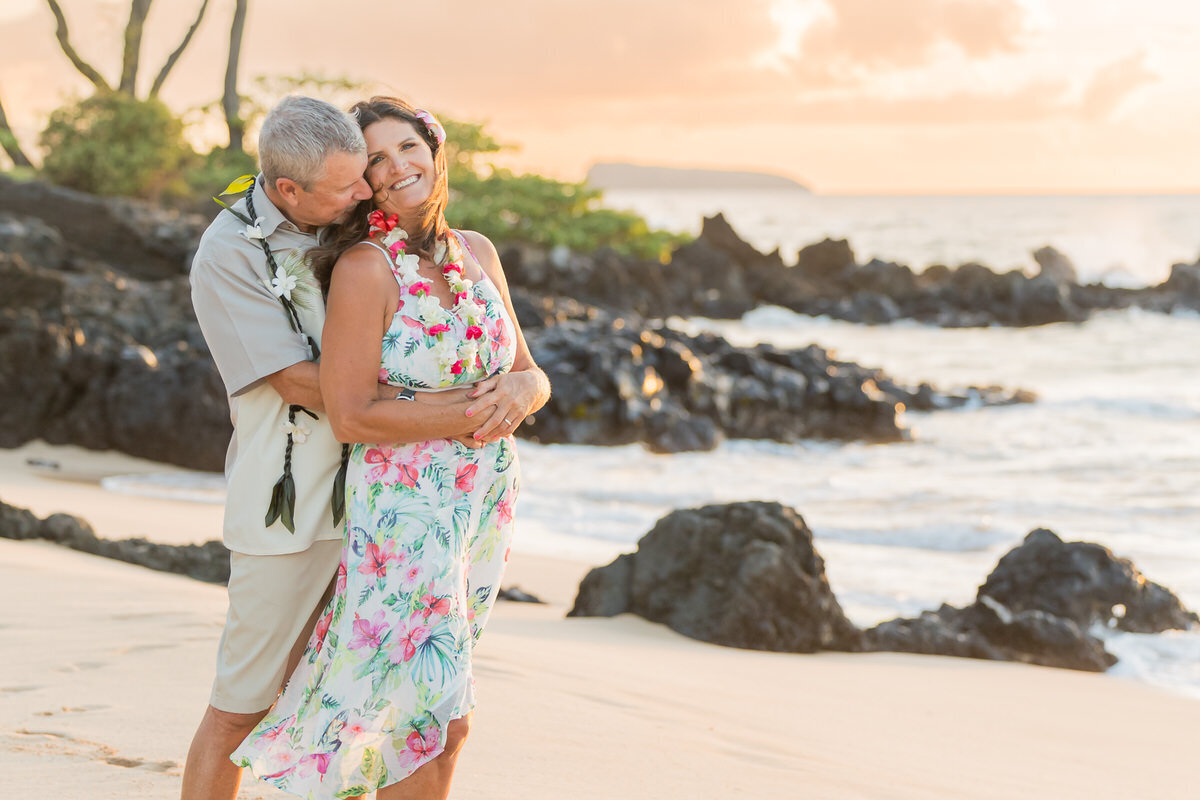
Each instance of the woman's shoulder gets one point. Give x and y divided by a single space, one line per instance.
363 261
484 251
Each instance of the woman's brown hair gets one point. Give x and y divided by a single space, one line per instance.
431 220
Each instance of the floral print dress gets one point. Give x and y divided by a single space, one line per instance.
426 540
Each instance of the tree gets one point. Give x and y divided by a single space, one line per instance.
230 101
131 56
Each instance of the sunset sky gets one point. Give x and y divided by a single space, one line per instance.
848 96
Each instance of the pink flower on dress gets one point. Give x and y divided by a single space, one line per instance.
474 332
283 758
434 605
504 509
458 366
412 577
385 465
434 330
420 288
410 635
376 559
314 763
409 469
318 637
423 747
464 480
341 575
383 375
369 633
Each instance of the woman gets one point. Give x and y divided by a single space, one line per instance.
383 696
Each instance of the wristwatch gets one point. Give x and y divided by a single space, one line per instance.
406 394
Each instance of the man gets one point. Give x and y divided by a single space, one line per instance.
312 157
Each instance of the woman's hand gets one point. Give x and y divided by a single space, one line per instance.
503 401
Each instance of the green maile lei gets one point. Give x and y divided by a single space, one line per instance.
289 282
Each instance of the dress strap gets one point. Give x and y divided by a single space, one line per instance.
381 249
463 240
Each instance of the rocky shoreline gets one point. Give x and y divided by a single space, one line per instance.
749 575
102 350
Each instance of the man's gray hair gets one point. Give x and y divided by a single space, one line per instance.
300 134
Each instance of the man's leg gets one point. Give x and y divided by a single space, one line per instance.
274 602
209 774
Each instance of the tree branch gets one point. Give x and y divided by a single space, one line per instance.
162 75
8 141
64 42
138 9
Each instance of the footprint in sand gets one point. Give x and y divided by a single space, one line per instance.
82 666
141 648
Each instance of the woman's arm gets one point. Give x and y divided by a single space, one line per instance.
516 394
362 296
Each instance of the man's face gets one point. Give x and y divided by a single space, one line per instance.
332 197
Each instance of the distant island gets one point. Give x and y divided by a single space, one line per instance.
634 176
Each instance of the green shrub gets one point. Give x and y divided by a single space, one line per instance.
510 207
113 144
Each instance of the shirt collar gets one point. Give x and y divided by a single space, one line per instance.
272 217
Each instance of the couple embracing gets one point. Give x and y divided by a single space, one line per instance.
375 373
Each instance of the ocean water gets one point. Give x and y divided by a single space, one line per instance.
1121 240
1110 452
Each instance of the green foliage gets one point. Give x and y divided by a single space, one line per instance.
507 206
531 208
216 168
114 144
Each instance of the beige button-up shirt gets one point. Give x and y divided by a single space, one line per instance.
250 336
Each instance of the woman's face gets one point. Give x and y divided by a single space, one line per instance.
400 166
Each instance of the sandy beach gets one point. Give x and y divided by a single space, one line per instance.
106 669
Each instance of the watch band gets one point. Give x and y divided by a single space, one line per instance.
406 394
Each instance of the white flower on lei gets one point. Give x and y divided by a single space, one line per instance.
254 231
406 264
429 309
294 281
446 352
283 284
299 431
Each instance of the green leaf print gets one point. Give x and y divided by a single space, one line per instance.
437 474
504 455
443 536
461 517
354 791
490 501
434 658
371 766
410 346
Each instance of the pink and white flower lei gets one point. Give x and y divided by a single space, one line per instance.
430 312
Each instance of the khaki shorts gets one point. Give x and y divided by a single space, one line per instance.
272 603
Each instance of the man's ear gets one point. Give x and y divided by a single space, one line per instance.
288 189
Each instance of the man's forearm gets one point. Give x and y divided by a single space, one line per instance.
299 385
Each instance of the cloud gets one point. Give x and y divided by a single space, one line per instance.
1113 83
873 35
